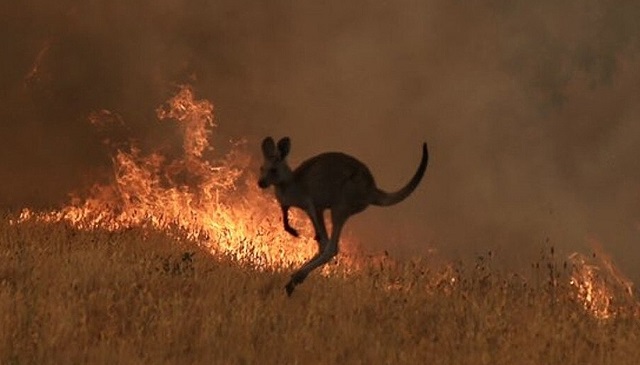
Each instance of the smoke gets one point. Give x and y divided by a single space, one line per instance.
529 108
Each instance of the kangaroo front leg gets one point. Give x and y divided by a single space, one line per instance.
285 219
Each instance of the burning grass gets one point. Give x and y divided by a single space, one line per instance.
142 296
182 260
213 198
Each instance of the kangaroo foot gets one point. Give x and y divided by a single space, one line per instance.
289 287
296 279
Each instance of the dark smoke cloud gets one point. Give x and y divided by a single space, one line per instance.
530 108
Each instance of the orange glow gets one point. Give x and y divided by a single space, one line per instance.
214 202
600 286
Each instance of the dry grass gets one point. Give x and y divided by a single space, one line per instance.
139 297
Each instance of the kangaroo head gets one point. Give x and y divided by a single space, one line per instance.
274 169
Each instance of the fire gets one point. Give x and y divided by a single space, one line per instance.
215 202
601 288
36 74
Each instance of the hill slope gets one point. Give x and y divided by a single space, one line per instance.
137 296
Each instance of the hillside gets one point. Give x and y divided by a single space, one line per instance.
140 296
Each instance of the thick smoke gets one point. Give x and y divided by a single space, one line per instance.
529 108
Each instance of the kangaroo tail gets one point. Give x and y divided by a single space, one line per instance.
383 198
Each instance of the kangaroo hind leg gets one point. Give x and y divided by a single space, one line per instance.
338 219
321 236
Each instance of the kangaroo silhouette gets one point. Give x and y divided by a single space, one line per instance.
331 180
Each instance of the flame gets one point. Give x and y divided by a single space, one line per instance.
217 203
600 286
37 74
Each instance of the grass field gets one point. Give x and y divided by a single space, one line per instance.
141 297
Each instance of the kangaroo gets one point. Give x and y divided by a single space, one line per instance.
331 180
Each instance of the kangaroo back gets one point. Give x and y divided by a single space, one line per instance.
335 178
382 198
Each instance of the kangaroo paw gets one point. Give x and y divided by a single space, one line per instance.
296 279
289 287
292 231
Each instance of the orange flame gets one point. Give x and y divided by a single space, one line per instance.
600 286
36 74
215 203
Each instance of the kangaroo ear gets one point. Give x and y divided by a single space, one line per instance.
269 147
284 146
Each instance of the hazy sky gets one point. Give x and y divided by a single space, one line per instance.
530 108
